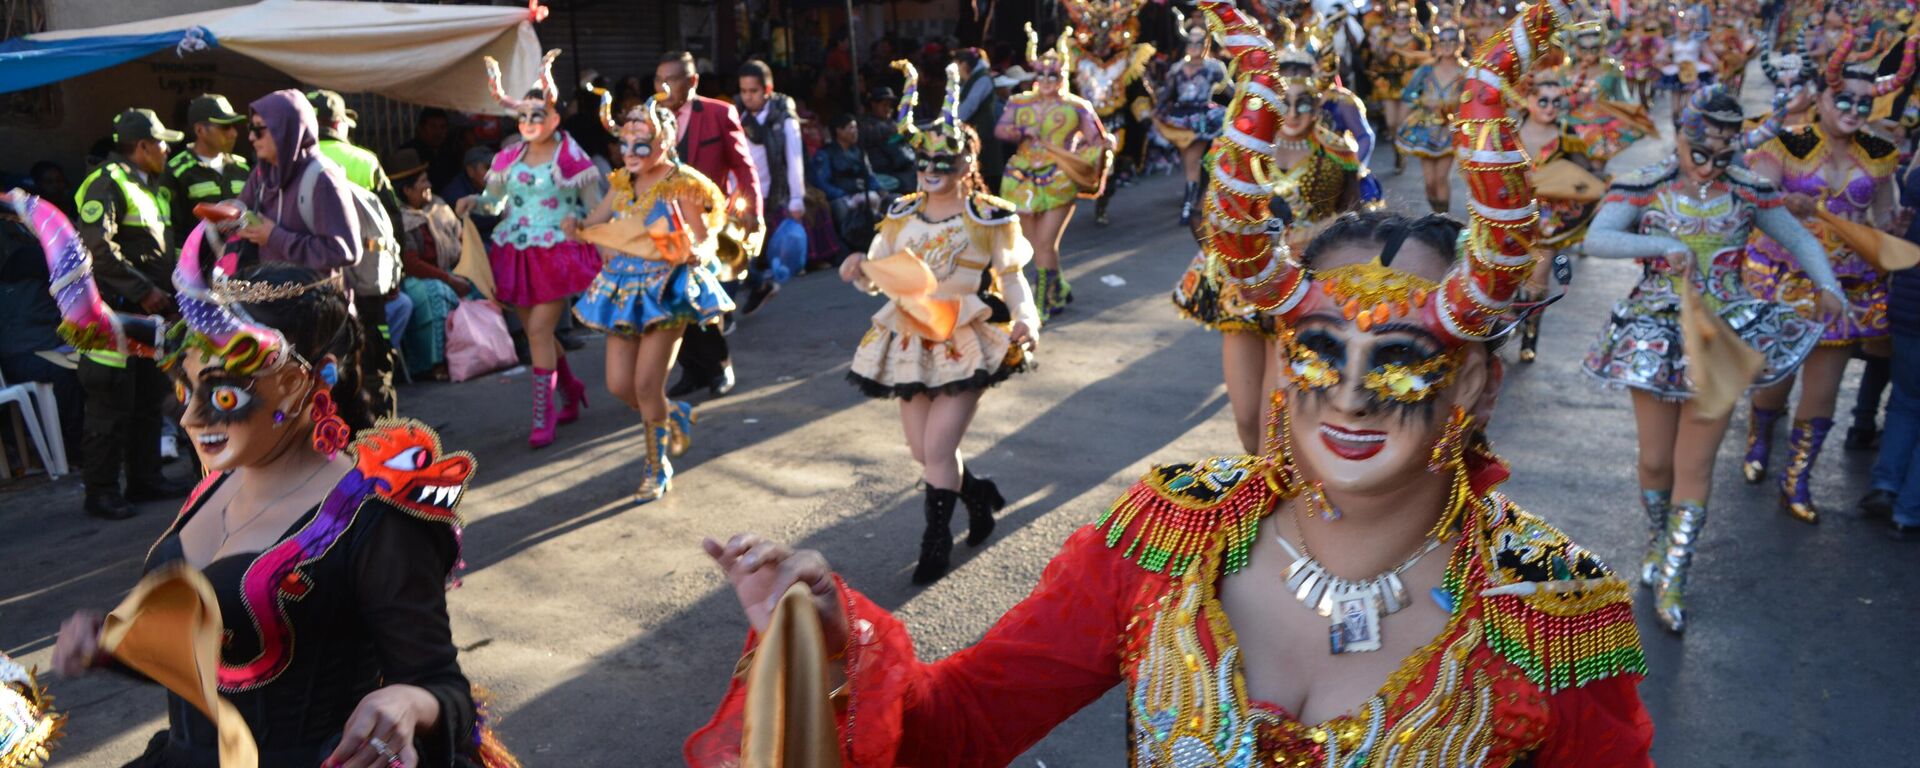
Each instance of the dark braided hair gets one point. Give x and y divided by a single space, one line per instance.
1385 229
970 147
316 324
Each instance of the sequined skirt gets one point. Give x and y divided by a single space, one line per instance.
1181 126
891 362
633 295
1642 347
525 277
1035 185
1773 275
1206 296
1425 134
1604 134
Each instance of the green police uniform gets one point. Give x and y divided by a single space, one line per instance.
197 181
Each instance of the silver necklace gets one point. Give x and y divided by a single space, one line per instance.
226 533
1292 145
1353 607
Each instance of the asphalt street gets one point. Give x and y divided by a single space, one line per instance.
605 636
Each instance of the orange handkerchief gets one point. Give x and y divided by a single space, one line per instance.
169 629
905 278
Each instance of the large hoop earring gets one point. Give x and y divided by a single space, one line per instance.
1451 449
330 433
1293 482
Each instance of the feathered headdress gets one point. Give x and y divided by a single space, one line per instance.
1473 302
943 136
548 87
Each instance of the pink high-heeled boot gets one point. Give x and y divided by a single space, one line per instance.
572 393
543 416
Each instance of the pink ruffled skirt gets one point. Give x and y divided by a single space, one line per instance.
524 277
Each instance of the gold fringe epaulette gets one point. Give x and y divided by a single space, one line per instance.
1340 146
1552 609
1173 514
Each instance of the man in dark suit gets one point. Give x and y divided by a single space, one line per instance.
712 141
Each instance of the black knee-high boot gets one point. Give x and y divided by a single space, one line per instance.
936 542
983 499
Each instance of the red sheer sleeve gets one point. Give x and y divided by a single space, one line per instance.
1598 725
1052 654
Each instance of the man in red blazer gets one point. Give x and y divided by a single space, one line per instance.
711 141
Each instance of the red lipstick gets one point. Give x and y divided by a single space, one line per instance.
1352 444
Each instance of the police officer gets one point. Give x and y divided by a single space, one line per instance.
125 209
362 167
207 170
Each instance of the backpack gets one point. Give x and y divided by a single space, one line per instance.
378 271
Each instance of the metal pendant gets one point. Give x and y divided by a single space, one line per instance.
1355 626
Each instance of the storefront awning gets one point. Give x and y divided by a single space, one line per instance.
421 54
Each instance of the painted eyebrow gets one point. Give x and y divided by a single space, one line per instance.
1409 328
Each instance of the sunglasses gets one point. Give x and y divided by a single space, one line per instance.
1859 105
1303 105
256 130
1048 78
1590 46
936 163
1558 102
638 148
1720 159
536 116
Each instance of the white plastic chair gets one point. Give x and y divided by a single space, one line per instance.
43 422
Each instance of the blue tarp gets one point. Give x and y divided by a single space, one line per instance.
30 63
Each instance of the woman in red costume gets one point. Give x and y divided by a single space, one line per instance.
1500 642
329 558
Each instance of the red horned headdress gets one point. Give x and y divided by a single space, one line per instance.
1473 302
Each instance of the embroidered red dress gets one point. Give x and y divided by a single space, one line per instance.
1537 665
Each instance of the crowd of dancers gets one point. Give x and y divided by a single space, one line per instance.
1361 352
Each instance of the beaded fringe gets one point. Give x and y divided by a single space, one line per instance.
1165 522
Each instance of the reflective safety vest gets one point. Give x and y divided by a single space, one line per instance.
358 164
203 183
146 209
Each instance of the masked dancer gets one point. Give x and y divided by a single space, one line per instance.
1430 97
1601 109
1686 61
653 288
961 319
1058 135
540 189
1498 638
1835 166
1397 48
1187 116
1320 177
1565 185
1109 68
329 557
1687 222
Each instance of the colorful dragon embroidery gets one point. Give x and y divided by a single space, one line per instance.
398 461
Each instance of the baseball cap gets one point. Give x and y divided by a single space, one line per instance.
142 124
328 106
212 108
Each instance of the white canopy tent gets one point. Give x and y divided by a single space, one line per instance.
421 54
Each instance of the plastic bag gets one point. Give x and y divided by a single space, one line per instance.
477 340
786 250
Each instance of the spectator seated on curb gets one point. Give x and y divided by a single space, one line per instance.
854 193
430 249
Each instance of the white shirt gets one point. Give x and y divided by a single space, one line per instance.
217 162
796 170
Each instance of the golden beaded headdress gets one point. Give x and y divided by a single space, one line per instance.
1104 21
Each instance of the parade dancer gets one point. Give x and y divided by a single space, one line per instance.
1054 129
1321 177
961 319
1601 109
1187 116
1835 165
1686 61
540 188
329 556
1500 640
1639 50
1687 221
1396 50
1566 187
1431 96
650 291
1109 67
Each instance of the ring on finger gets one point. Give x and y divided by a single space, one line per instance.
386 752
